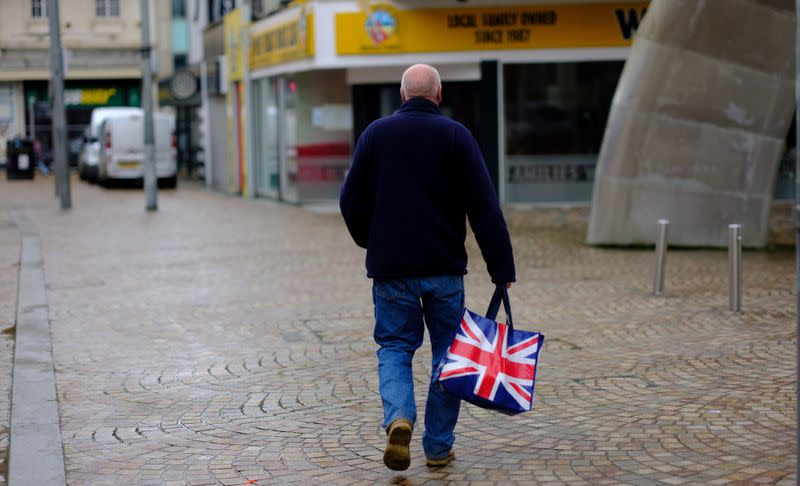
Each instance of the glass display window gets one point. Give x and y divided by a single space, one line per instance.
555 117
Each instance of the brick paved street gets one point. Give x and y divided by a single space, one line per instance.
225 341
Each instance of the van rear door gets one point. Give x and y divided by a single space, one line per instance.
164 128
127 132
127 138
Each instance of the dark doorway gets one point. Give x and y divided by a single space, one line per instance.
460 101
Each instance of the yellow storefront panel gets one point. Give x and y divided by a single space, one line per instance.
384 29
234 53
290 41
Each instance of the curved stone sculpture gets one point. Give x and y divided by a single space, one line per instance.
698 124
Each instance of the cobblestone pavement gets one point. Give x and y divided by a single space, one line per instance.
224 341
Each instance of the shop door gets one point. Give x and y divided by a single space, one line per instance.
267 138
287 112
460 101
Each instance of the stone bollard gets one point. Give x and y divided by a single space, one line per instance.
735 264
661 257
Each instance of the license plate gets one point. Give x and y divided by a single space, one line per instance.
128 165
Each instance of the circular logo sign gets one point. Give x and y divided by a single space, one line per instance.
183 85
381 25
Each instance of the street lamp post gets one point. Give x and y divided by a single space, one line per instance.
150 181
59 115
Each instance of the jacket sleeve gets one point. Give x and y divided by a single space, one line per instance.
483 211
354 200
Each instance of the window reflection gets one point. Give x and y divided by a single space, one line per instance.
555 119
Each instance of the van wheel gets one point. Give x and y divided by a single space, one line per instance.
168 182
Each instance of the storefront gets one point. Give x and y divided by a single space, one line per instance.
304 135
533 83
546 77
303 118
80 98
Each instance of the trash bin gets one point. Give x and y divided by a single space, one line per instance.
20 159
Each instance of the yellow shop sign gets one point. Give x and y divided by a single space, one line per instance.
289 41
384 29
234 26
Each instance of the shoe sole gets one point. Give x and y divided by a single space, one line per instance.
440 462
397 456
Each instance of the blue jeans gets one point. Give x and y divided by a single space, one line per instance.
400 307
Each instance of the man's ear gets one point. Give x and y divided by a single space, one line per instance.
439 95
402 96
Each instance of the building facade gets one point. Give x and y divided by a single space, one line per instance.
101 41
207 55
533 81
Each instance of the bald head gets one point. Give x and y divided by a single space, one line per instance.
421 81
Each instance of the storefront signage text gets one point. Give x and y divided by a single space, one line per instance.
502 27
96 96
386 30
287 42
541 173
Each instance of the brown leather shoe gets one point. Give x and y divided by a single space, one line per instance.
397 457
451 456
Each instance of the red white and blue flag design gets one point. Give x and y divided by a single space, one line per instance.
491 365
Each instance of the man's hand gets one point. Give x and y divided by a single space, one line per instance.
508 285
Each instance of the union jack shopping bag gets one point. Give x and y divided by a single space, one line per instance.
489 363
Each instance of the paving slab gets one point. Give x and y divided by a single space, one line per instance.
225 341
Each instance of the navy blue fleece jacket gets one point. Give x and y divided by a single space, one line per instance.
416 177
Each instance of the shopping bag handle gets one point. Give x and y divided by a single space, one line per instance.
500 293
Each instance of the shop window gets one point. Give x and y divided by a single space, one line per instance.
107 8
38 8
555 119
268 142
306 132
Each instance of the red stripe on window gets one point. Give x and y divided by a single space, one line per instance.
335 149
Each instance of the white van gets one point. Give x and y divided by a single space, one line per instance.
122 148
89 156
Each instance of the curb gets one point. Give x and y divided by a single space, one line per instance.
36 453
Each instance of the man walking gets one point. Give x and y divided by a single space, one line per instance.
416 177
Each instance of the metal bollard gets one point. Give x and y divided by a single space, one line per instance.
661 256
735 263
